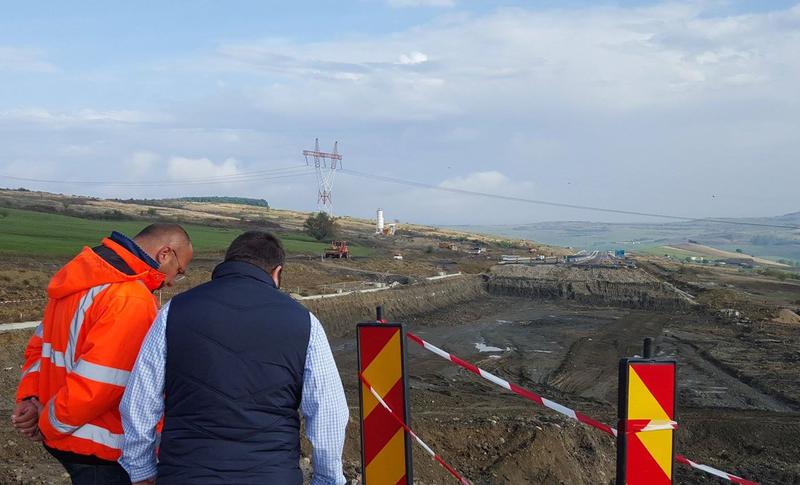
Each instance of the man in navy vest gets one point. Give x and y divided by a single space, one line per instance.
229 364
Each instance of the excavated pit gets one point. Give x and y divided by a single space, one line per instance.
558 331
619 287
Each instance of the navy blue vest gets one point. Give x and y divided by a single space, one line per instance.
236 350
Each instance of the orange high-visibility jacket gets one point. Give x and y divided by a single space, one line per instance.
78 361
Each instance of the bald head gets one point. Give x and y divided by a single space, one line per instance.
170 246
163 232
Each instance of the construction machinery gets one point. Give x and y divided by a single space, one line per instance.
338 250
384 229
477 250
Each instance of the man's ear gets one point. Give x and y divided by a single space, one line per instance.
162 255
276 275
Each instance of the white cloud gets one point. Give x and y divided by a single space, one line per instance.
78 150
45 116
24 60
415 57
593 60
492 182
121 116
181 168
142 165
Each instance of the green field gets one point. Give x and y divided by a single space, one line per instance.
676 253
36 233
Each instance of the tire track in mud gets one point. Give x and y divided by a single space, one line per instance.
759 445
743 391
589 367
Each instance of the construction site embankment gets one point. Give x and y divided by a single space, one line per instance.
619 287
340 314
613 287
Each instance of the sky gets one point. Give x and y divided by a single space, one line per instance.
683 108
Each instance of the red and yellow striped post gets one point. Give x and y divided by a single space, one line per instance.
385 447
645 440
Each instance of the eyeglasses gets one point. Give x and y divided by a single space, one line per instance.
181 272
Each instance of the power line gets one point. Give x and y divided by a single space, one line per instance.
423 185
212 179
259 175
299 171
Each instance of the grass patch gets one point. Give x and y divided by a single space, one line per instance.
776 273
43 234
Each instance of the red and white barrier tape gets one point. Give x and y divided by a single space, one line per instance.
713 471
450 469
570 413
529 395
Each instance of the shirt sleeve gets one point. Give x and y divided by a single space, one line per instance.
142 403
324 407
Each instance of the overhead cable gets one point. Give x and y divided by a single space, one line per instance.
423 185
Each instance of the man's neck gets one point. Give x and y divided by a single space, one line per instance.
134 248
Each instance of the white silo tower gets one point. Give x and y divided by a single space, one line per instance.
379 229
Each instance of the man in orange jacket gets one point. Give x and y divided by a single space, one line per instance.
77 363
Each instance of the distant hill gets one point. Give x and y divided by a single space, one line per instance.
767 242
228 200
792 218
217 211
213 199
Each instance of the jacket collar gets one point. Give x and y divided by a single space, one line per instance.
242 268
152 278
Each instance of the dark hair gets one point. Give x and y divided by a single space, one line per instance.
259 248
161 230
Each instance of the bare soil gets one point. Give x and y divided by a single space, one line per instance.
739 388
732 414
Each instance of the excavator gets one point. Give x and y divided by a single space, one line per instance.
338 250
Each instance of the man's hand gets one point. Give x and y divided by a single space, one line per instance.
149 481
26 418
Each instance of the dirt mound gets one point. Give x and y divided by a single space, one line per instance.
787 316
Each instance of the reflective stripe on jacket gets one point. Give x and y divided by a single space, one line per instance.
78 361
